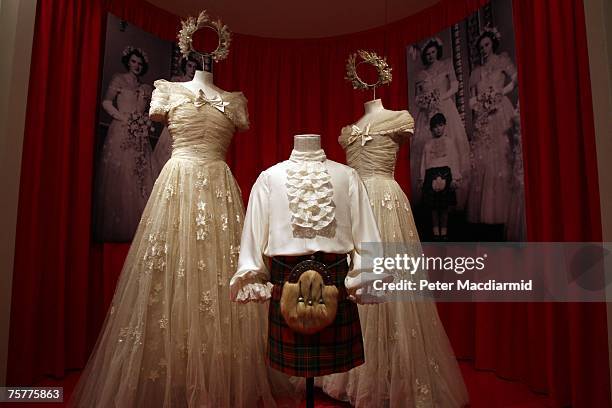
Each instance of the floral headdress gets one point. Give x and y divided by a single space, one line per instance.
130 49
490 30
368 57
435 40
191 25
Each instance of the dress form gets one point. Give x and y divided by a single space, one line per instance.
203 80
307 142
374 112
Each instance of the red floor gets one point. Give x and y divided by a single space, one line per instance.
485 389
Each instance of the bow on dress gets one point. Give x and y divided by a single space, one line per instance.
357 133
216 102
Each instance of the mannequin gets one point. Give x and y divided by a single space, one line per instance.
307 209
285 224
307 142
203 80
374 112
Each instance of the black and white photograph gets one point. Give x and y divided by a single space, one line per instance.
465 156
131 150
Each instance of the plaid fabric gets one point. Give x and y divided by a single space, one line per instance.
337 348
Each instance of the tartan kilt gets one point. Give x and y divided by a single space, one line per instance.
336 348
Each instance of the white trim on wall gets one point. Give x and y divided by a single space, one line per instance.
598 15
16 33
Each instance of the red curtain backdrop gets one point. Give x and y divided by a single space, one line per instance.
63 283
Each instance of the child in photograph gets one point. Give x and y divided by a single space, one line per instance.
439 167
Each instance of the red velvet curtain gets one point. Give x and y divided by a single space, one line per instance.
50 280
63 283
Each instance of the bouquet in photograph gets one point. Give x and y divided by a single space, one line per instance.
488 101
517 150
139 125
429 101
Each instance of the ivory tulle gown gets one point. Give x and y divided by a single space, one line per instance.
409 361
172 338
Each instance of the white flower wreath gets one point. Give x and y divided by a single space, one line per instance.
191 25
368 57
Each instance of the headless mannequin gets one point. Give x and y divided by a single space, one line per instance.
203 80
307 142
374 112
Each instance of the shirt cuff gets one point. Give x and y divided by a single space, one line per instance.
255 292
368 296
366 279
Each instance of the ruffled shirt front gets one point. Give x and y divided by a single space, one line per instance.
301 206
310 194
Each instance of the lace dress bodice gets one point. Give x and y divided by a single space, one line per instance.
198 135
372 151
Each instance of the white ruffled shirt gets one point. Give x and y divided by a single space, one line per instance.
298 207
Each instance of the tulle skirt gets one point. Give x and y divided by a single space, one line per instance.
409 361
172 338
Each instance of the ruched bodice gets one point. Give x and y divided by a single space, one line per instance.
206 139
372 151
201 128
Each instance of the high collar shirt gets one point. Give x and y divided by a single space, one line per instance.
301 206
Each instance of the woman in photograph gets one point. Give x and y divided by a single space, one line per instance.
188 69
436 84
490 83
124 174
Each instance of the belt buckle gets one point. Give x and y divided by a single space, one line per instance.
310 264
